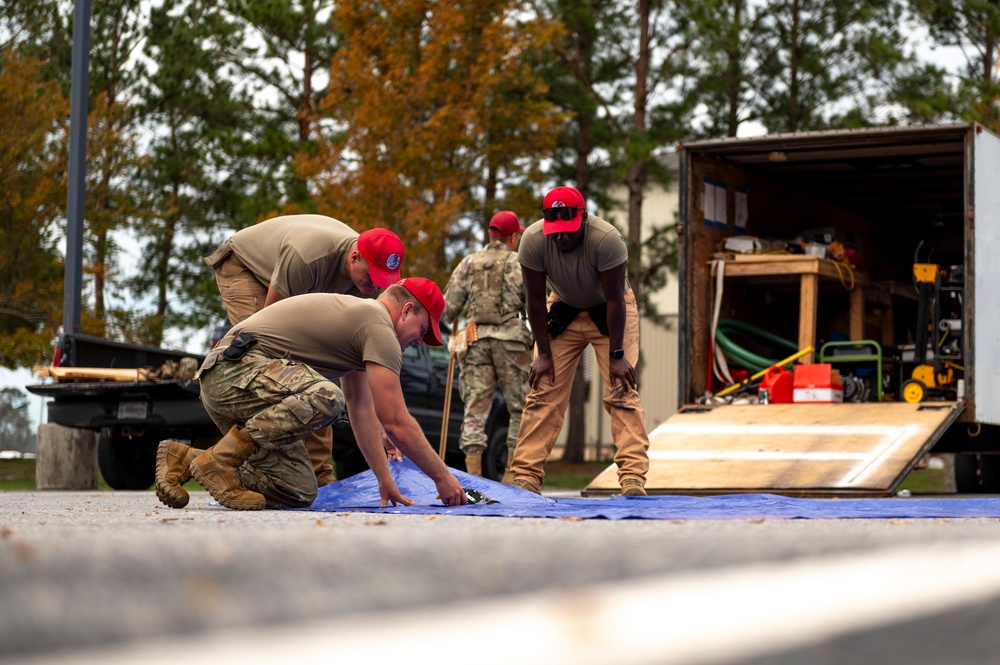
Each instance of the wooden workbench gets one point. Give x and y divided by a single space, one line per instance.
810 269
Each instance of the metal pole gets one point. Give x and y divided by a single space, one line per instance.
79 84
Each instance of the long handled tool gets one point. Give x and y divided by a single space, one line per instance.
781 363
447 403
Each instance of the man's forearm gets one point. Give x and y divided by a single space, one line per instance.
616 325
410 439
368 434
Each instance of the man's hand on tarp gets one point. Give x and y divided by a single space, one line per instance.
394 496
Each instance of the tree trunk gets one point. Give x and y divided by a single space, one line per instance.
576 435
67 458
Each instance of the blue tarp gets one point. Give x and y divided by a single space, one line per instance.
360 494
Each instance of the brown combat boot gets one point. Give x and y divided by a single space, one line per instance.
173 462
474 464
217 469
632 487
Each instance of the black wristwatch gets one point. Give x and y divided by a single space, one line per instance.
617 354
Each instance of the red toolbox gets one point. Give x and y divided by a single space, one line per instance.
817 383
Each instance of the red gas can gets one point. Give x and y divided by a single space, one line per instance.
778 384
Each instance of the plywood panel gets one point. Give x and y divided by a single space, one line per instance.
794 449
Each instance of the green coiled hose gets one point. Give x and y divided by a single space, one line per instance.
751 361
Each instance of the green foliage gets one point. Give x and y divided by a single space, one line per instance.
422 117
16 427
973 27
32 189
435 103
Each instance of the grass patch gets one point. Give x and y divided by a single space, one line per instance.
19 474
927 481
566 476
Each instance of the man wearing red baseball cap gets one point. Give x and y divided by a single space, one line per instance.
583 259
487 291
284 257
268 384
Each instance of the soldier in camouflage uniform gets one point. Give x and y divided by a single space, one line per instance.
295 254
487 289
268 385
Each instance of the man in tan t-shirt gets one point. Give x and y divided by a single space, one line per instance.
296 254
583 259
268 384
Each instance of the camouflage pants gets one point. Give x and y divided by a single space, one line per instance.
488 361
243 296
279 402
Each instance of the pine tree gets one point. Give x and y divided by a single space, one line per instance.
195 180
973 27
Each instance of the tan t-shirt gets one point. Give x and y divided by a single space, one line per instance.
298 254
332 333
574 276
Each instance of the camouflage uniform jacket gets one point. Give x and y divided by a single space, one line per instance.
487 287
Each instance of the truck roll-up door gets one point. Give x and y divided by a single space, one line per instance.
791 449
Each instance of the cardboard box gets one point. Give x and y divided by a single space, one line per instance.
817 384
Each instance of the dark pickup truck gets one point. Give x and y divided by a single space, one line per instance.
132 417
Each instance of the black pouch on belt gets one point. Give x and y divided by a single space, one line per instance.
560 316
242 343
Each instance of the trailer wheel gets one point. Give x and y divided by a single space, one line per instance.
127 464
495 458
913 391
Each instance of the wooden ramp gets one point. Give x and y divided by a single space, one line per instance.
791 449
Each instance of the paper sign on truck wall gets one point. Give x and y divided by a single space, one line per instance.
714 203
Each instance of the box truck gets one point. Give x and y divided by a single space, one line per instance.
872 252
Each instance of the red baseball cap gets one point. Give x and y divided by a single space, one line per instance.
559 204
505 223
429 295
384 252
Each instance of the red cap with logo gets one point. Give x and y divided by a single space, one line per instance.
505 223
384 252
429 295
563 210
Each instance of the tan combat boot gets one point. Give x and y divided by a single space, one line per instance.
474 464
526 484
217 469
173 462
632 487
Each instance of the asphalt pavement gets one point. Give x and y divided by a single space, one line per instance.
115 577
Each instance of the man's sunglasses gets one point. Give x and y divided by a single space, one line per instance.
565 213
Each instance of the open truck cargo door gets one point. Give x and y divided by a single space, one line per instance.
790 449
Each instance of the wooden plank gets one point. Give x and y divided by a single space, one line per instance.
91 373
796 449
856 317
808 299
763 265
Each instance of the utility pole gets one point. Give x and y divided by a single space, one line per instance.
79 89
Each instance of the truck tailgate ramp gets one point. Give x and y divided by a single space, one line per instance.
791 449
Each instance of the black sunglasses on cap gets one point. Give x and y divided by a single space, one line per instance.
565 213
